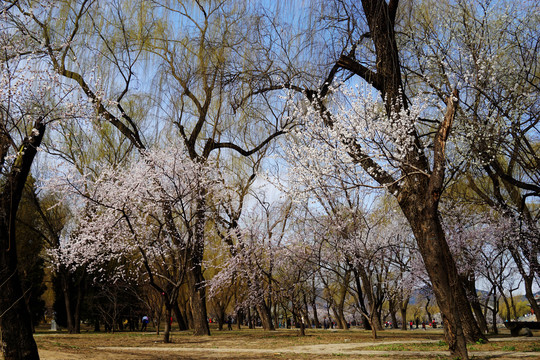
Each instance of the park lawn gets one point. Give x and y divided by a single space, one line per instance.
245 338
93 346
517 346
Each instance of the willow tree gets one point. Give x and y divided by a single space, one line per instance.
206 54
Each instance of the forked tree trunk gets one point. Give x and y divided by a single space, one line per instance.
266 316
15 324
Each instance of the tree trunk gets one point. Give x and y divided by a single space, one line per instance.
362 305
77 311
179 318
67 301
15 321
403 304
266 316
440 267
198 299
250 318
315 316
528 282
470 287
276 317
393 317
494 312
167 332
239 319
302 328
17 340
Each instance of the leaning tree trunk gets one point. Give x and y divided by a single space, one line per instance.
470 287
15 324
419 192
440 267
182 325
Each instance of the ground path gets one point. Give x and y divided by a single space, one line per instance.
348 349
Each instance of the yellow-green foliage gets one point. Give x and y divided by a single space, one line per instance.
522 308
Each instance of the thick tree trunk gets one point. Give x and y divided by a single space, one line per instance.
403 304
470 287
17 339
403 311
266 316
528 282
15 322
276 317
392 309
440 267
198 299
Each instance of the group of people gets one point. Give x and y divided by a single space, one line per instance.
433 324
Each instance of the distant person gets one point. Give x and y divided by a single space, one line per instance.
229 323
145 322
411 324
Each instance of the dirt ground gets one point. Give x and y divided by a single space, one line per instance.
282 344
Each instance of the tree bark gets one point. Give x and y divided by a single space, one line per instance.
418 194
15 324
198 299
315 315
167 332
470 287
266 316
67 301
182 325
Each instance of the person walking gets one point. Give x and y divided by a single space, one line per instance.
145 322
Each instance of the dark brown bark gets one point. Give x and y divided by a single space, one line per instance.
266 316
360 297
315 316
470 288
67 301
168 322
392 310
15 324
182 324
198 299
419 193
